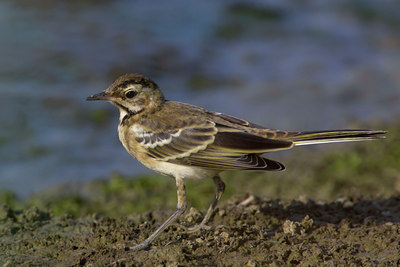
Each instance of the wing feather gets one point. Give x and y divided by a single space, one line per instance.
212 145
235 162
248 143
173 144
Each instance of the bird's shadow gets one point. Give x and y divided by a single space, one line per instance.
358 211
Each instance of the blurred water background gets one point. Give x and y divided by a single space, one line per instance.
293 65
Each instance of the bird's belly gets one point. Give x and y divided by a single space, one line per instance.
180 171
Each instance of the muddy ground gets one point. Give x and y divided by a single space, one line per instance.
251 232
339 208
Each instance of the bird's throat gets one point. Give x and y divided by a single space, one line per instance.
126 113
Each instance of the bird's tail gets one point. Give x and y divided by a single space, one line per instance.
323 137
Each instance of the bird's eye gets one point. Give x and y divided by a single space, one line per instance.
130 94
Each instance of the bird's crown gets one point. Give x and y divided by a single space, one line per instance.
130 85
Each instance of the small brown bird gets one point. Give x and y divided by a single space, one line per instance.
188 142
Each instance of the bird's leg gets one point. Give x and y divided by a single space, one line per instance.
220 186
181 207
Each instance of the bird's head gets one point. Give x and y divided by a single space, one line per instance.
133 94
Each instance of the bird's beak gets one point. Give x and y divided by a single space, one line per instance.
100 96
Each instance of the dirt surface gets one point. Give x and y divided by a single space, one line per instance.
350 217
250 232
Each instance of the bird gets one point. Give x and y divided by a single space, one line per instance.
184 141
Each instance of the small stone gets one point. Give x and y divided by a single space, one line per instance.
221 213
199 240
225 236
251 263
290 227
193 216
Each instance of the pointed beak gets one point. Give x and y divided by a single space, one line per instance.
100 96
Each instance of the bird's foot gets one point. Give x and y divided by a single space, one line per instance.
137 247
196 228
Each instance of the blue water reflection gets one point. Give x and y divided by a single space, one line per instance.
318 65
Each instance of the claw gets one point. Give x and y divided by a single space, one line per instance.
195 228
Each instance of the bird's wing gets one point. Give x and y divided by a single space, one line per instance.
235 123
211 145
177 143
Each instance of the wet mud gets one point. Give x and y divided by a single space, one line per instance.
248 231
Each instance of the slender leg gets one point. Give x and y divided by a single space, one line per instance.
220 186
181 192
